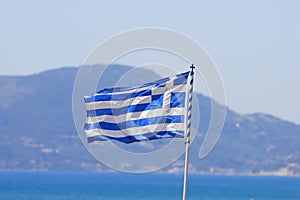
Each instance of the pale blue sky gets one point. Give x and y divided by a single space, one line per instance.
255 44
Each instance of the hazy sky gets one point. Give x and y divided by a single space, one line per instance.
255 44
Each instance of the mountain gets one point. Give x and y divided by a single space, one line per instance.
38 133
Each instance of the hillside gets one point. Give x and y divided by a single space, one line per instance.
37 132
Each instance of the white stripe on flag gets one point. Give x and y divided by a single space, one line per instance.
136 115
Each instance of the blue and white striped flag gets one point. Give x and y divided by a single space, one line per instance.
131 114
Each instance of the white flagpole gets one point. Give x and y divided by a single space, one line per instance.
188 133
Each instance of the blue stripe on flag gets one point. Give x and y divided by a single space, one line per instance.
138 138
158 83
136 123
156 104
116 97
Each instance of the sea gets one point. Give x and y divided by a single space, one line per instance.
119 186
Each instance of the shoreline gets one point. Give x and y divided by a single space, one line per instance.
152 173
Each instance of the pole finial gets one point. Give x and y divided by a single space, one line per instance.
192 67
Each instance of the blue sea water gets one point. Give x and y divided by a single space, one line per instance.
118 186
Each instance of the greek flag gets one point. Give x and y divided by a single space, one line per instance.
151 111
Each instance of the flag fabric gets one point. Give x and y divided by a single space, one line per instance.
151 111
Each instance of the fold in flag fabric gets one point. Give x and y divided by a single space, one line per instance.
151 111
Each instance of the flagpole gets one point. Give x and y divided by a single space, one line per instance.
188 133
